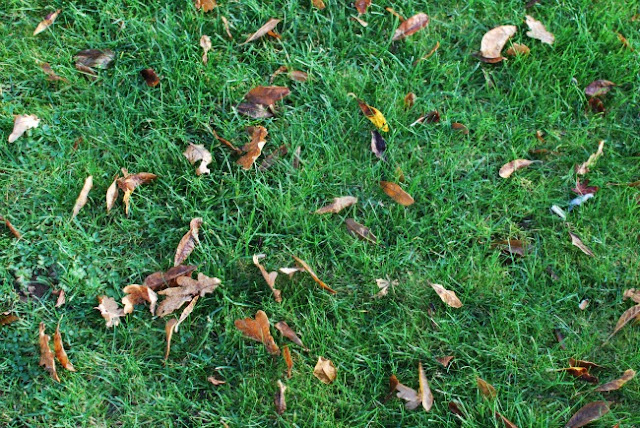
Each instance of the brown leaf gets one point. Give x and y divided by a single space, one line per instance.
318 4
627 316
258 330
288 332
186 290
61 354
205 5
445 360
298 76
360 231
205 43
12 229
82 197
486 389
7 318
518 49
596 104
270 160
588 413
575 240
306 267
197 152
61 300
384 285
129 182
428 55
511 167
410 26
46 356
583 188
21 123
409 100
255 111
581 373
582 363
223 141
168 329
253 149
489 61
88 59
112 194
266 95
286 354
281 404
457 126
325 371
225 22
159 280
269 277
426 397
507 423
47 22
362 5
447 296
512 246
453 408
617 383
396 193
136 294
109 310
538 31
598 88
407 394
51 75
584 168
378 145
188 242
186 312
337 205
215 381
559 337
394 13
494 40
632 294
270 25
150 77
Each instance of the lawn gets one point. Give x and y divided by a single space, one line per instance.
504 333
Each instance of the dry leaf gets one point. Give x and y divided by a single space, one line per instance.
360 231
374 115
538 31
47 22
88 59
507 423
21 123
518 49
255 111
453 408
270 25
46 356
288 332
298 76
584 304
582 363
617 383
281 404
269 277
306 267
426 397
407 394
186 312
266 95
82 197
588 413
253 149
396 193
12 229
632 294
410 26
575 240
150 77
581 373
273 157
394 13
596 104
205 43
7 318
445 360
159 280
598 88
197 152
624 41
188 242
186 290
428 55
583 188
384 285
486 389
291 270
447 296
360 21
512 246
511 167
494 40
109 310
325 371
225 22
318 4
128 184
627 316
258 330
274 34
584 168
409 100
378 145
223 141
136 294
286 354
61 354
215 381
205 5
362 5
338 205
460 127
112 194
51 75
168 329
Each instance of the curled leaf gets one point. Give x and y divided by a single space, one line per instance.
186 290
494 40
360 231
21 123
426 397
575 240
205 43
374 115
378 145
61 354
47 22
617 383
281 404
588 413
511 167
46 356
411 26
136 294
109 310
538 31
197 152
168 329
269 277
337 205
270 25
306 267
112 194
632 294
253 149
582 363
130 182
288 332
447 296
186 312
215 381
581 373
82 197
258 330
188 242
396 193
325 371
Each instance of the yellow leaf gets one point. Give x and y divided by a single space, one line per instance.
374 115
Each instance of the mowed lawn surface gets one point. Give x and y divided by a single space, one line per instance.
504 333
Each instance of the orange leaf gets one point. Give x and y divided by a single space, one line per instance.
269 277
318 4
130 182
137 294
11 228
46 356
188 242
61 354
411 26
286 354
362 5
486 389
396 193
306 267
254 148
150 77
288 332
409 100
205 5
258 330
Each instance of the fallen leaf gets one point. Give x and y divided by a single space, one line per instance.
270 25
136 294
112 194
624 41
598 88
223 141
253 149
306 267
617 383
82 197
270 160
47 22
318 4
582 363
11 228
518 49
378 145
197 152
298 76
325 371
215 381
396 193
588 413
205 43
258 330
627 316
360 21
453 408
266 95
128 184
456 126
269 277
447 296
205 5
288 332
531 3
384 285
486 389
281 404
494 40
409 100
61 354
584 304
445 360
362 5
89 59
150 77
274 34
596 104
168 329
360 231
51 75
410 26
255 111
7 318
581 373
583 188
46 356
337 205
186 312
394 13
575 240
512 246
159 280
374 115
186 290
188 242
286 354
21 123
291 270
109 310
426 397
559 337
225 22
632 294
507 423
538 31
511 167
428 55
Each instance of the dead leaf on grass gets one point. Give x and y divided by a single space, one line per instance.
583 188
89 59
215 381
205 5
507 423
273 157
112 194
518 49
325 371
338 205
205 44
588 413
409 100
396 193
374 115
253 149
281 404
186 290
318 4
61 354
290 271
447 296
538 31
159 280
445 361
262 31
188 242
632 294
617 383
384 285
197 152
11 228
186 312
286 354
266 95
269 277
582 363
136 294
130 182
511 167
288 332
82 197
46 356
258 330
378 145
47 22
306 267
51 75
494 40
627 316
109 310
411 26
21 123
457 126
225 22
581 373
598 88
150 77
575 240
360 231
360 21
512 246
584 168
168 329
7 318
486 389
362 5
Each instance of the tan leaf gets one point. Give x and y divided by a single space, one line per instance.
617 383
188 242
11 228
109 310
337 205
588 413
46 356
273 157
82 197
129 182
269 277
360 231
627 316
270 25
460 127
486 389
494 40
394 13
215 381
258 330
396 193
47 22
318 4
136 294
186 312
447 296
511 167
169 329
306 267
197 152
518 49
186 290
584 168
51 75
325 371
159 280
225 22
266 95
410 26
7 318
409 100
512 246
255 111
424 392
507 423
254 148
286 354
362 5
445 361
281 404
298 76
632 294
94 58
150 77
112 194
21 123
407 394
538 31
384 285
205 5
205 43
575 240
598 88
61 354
360 21
288 332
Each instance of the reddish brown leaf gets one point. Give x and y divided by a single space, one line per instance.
7 318
168 329
61 354
362 5
306 267
617 383
186 290
46 356
82 197
512 246
270 25
188 242
596 104
453 408
136 294
511 167
486 389
583 188
396 193
150 77
270 160
281 404
266 95
581 373
588 413
288 332
205 5
338 205
12 229
559 338
411 26
51 75
223 141
457 126
360 231
445 361
298 76
255 111
253 149
269 277
494 40
109 310
598 88
159 280
258 330
507 423
286 354
325 371
627 316
624 42
88 59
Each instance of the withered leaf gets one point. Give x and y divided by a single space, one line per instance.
445 361
428 55
168 329
624 41
518 49
584 168
582 363
7 318
82 197
511 167
596 104
186 290
409 100
11 228
486 389
186 312
360 231
407 394
136 294
296 157
360 21
47 22
325 371
61 354
512 246
338 205
255 111
21 123
286 354
112 194
205 43
362 5
225 22
298 76
46 356
269 277
224 141
583 188
410 26
588 413
197 152
507 423
205 5
51 75
129 182
374 115
538 31
215 381
279 400
158 280
273 157
426 397
394 13
617 383
150 77
288 332
378 145
447 296
266 95
253 149
318 4
306 267
494 40
290 271
109 310
88 59
598 88
384 285
453 408
457 126
627 316
632 294
270 25
258 330
575 240
581 373
396 193
583 304
188 242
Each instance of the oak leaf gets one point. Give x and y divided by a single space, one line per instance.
186 290
109 310
338 205
136 294
258 330
47 22
159 280
588 413
538 31
288 332
410 26
617 383
447 296
494 40
188 242
46 356
396 193
21 123
306 267
82 197
269 277
325 371
197 152
253 149
61 354
270 25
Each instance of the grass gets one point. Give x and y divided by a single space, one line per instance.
504 333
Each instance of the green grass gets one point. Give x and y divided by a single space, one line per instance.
504 333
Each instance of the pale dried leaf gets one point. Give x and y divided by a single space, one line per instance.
410 395
298 76
445 361
362 5
186 312
424 392
281 404
360 21
507 423
518 49
486 389
447 296
169 329
197 152
205 43
584 168
136 294
617 383
575 240
61 300
109 310
82 197
215 381
288 332
360 231
313 274
632 294
411 26
61 354
129 182
94 58
269 277
46 356
258 330
112 194
225 22
626 317
290 271
47 22
338 205
511 167
494 40
254 148
270 25
21 123
186 290
384 285
538 31
325 371
188 242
